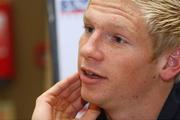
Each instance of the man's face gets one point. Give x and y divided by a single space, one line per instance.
115 54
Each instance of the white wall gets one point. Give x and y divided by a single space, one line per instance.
69 30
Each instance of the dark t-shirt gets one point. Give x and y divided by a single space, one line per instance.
170 110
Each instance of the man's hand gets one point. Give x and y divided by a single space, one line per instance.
62 102
92 113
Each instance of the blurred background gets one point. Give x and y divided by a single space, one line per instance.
38 47
24 56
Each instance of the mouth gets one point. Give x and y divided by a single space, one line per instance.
90 76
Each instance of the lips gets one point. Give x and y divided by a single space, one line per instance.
90 76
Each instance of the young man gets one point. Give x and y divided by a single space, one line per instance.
129 58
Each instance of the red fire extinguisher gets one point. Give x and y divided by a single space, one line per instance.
6 50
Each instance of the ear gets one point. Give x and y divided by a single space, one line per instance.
172 66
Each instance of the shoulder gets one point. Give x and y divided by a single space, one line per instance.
177 99
171 109
102 116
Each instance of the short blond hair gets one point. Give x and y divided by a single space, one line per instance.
163 21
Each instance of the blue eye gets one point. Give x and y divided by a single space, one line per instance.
119 39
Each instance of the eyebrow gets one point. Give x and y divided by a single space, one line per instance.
122 27
85 18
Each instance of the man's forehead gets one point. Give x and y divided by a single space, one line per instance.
112 1
127 5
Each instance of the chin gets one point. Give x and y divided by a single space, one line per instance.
86 94
91 96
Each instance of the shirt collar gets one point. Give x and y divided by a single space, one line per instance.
171 105
169 109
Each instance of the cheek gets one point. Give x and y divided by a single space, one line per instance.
129 71
132 77
123 66
81 43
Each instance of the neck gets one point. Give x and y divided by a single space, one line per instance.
147 108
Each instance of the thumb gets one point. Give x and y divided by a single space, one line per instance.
92 113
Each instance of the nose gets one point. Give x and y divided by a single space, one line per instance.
91 47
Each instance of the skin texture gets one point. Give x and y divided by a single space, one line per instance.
62 102
119 48
115 46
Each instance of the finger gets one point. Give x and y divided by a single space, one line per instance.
92 113
70 89
61 106
50 96
74 95
63 103
62 85
63 111
74 108
40 111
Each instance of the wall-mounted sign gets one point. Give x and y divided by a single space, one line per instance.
73 6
